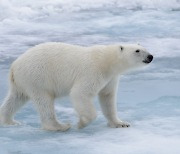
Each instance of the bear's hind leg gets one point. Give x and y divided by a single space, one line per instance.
12 103
45 106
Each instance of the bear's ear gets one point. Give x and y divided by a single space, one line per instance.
121 48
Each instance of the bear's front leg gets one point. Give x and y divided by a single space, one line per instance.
107 98
83 104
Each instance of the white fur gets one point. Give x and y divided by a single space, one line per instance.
52 70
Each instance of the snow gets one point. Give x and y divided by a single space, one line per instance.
148 98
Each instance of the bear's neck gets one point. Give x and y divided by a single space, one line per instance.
107 62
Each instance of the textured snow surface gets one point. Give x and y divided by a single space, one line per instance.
148 98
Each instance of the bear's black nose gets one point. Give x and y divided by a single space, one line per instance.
150 58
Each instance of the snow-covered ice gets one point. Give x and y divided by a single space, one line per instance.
149 98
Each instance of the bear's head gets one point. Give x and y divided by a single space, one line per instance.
134 55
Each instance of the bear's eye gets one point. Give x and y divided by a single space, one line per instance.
137 51
121 48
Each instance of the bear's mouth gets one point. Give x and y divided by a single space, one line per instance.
146 61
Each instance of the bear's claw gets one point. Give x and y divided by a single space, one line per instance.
120 124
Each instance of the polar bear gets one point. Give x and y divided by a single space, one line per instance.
52 70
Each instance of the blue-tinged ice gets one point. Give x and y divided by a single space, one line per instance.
148 98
